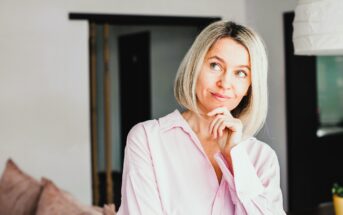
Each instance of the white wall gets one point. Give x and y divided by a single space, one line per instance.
266 17
44 106
44 87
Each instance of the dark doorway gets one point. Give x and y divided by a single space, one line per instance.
301 122
314 162
134 76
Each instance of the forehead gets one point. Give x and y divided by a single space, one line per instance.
230 51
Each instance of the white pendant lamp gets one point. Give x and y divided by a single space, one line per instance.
318 27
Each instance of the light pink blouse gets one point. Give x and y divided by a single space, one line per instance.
166 171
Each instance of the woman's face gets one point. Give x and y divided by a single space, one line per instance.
225 76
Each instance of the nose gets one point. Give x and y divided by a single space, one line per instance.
225 80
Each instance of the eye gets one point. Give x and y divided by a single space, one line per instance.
215 67
241 73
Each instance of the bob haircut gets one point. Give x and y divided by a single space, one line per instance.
252 110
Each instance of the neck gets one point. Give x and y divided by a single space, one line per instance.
200 124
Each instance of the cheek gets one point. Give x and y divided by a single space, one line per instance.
204 82
242 89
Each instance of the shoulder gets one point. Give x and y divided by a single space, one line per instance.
150 127
141 129
155 125
137 141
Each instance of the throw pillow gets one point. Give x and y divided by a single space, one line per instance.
54 201
19 193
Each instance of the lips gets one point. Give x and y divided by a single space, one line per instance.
220 97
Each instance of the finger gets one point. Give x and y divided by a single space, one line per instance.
236 125
224 124
216 127
227 124
214 121
222 127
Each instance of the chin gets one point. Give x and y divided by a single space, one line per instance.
212 107
213 104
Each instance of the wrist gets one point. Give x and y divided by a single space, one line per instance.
228 159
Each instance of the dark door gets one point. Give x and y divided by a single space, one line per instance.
314 163
134 73
301 122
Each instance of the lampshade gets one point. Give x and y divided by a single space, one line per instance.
318 27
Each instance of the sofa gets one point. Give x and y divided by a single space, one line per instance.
21 194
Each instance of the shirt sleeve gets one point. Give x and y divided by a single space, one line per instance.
140 193
250 192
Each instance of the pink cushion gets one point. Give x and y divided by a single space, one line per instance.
19 193
54 201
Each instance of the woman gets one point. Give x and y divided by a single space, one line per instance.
206 160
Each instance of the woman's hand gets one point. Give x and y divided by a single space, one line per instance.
225 122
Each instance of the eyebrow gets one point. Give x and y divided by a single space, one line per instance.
223 61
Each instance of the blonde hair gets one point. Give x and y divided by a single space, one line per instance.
252 110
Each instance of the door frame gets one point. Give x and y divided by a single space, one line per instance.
122 19
125 19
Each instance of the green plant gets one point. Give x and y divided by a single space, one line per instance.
337 190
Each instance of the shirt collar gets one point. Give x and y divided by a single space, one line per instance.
172 120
